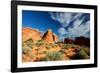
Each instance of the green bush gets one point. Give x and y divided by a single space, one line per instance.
53 56
82 54
39 43
29 43
26 49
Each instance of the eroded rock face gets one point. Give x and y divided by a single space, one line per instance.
50 37
29 33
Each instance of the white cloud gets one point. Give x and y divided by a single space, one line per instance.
62 31
63 18
79 28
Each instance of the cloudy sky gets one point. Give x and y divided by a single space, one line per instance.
63 24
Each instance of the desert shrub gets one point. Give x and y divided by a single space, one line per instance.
39 43
56 45
86 49
31 55
52 45
62 50
29 43
53 56
82 54
48 46
64 46
26 49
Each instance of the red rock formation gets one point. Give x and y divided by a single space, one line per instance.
29 33
50 37
67 40
82 41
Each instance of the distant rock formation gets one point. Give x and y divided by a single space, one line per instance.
50 37
29 33
82 41
67 40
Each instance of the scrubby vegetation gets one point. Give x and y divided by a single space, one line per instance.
52 56
40 50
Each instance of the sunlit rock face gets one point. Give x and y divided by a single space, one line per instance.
50 37
29 33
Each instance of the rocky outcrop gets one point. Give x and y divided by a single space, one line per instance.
82 41
29 33
67 40
50 37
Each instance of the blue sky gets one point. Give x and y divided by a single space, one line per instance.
62 24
